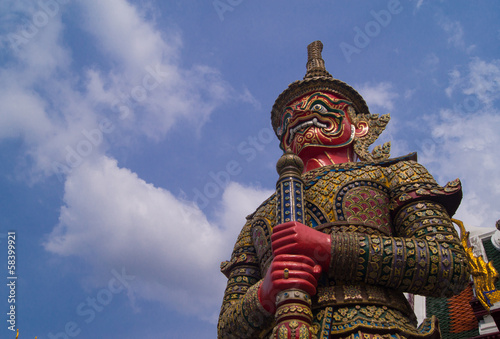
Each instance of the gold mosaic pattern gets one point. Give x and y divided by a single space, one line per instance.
405 172
324 192
240 306
360 322
351 293
432 265
245 318
377 125
418 252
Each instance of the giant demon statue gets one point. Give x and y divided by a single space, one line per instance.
366 229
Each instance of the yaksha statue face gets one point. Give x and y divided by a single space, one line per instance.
319 119
323 114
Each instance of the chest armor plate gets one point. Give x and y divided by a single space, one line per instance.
362 201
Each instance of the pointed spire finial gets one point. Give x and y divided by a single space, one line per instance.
315 63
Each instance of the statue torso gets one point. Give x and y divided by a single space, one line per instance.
355 198
351 197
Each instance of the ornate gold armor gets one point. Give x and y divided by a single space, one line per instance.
394 234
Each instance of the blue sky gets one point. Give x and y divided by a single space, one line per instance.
135 136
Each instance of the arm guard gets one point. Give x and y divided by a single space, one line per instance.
425 259
425 256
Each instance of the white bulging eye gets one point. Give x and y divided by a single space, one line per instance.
319 108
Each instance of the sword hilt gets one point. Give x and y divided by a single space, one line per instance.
293 307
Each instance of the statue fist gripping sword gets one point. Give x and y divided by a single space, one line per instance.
293 272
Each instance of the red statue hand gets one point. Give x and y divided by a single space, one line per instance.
296 238
303 274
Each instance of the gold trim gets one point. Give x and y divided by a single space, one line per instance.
376 125
484 274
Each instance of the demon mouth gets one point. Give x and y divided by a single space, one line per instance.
304 125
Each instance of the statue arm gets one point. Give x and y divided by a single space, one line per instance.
426 258
242 315
425 255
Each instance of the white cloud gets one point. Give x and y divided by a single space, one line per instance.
142 89
127 37
247 198
468 148
465 141
455 80
22 115
455 32
147 79
113 219
39 104
482 81
380 96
